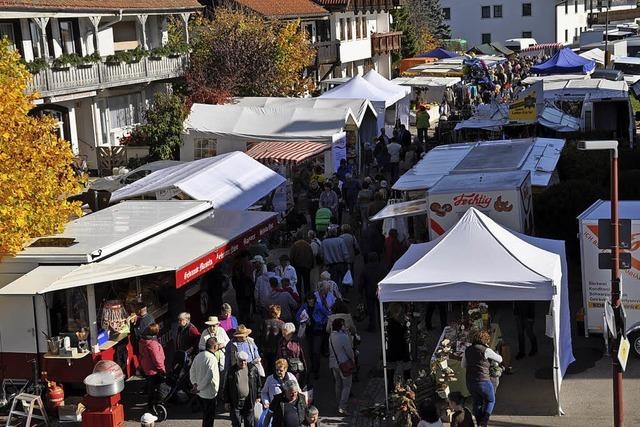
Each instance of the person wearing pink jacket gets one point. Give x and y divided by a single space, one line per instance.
152 362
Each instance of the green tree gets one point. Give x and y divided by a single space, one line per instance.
162 128
422 24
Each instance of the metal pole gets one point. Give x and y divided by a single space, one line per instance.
618 403
384 359
606 36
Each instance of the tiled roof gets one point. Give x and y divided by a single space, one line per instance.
283 8
93 5
332 2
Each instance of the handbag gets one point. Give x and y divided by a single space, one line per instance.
295 365
347 367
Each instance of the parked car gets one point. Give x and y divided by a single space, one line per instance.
112 183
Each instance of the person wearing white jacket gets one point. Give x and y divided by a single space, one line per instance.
205 377
274 384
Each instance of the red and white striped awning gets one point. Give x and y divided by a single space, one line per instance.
286 152
542 46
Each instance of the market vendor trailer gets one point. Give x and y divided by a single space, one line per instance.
596 283
158 252
503 196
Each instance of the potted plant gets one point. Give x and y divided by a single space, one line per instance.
178 49
136 55
66 60
118 58
157 53
87 61
37 65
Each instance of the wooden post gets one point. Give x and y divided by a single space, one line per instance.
95 21
42 26
143 23
185 22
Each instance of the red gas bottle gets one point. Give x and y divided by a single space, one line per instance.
55 395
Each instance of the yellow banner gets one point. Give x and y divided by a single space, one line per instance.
524 109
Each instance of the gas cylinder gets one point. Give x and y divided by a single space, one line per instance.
55 396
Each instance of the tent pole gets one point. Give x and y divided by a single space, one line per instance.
384 359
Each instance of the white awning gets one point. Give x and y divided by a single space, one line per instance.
49 278
190 249
395 210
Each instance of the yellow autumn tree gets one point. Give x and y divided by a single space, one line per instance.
294 54
35 165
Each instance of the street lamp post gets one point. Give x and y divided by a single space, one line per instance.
618 401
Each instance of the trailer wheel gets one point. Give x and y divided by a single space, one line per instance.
634 339
160 411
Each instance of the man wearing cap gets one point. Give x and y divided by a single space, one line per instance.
213 329
205 377
290 407
241 390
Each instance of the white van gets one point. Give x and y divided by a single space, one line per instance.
517 45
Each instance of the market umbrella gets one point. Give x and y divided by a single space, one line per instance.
565 61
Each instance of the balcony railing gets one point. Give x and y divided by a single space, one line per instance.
102 75
386 42
328 52
374 5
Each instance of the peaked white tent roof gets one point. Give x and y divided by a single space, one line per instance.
478 260
277 123
494 261
359 107
231 181
397 91
358 87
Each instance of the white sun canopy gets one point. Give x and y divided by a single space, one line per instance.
401 94
359 88
231 181
478 260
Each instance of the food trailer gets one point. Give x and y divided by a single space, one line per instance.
89 277
504 197
596 283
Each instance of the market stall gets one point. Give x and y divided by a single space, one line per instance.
478 260
229 181
359 88
395 91
84 282
565 61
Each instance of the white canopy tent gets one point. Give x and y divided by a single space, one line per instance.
359 88
230 181
402 94
478 260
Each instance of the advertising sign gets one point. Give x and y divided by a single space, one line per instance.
596 283
527 104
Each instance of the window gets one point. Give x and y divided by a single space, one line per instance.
446 13
566 35
575 34
566 7
497 11
526 9
6 30
349 29
575 6
365 31
125 35
486 12
35 40
342 29
204 147
527 34
358 28
486 38
124 110
67 39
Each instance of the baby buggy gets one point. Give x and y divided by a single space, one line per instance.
176 381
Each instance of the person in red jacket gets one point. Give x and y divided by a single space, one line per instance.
393 249
187 336
152 361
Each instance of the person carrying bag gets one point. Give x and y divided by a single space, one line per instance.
341 363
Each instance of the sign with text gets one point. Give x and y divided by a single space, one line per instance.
528 104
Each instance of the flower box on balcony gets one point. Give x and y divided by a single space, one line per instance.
155 58
85 65
113 63
174 55
60 67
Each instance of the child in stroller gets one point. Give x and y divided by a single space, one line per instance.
177 380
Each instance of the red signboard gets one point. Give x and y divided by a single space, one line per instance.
200 266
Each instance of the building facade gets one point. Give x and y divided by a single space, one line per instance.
96 67
547 21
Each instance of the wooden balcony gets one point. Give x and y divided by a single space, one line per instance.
328 52
374 5
51 82
386 42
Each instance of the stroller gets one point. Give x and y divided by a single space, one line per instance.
323 219
176 381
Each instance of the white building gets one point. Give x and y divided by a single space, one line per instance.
547 21
96 102
363 30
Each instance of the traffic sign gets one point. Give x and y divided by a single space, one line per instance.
604 261
605 239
